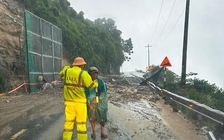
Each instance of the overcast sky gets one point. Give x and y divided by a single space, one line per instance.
160 23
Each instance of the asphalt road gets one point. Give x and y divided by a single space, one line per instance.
44 129
135 113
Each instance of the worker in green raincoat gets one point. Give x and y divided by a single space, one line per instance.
97 103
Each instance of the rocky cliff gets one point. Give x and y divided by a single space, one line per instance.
12 64
11 43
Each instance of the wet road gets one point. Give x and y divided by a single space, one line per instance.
133 120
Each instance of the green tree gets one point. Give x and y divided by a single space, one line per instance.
98 41
64 5
127 48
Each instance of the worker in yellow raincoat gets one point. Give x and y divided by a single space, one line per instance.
75 79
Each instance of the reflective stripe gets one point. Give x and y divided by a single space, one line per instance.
80 76
68 130
65 75
75 85
75 101
91 85
69 120
81 122
82 132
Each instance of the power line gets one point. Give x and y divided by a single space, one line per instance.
171 29
165 23
157 21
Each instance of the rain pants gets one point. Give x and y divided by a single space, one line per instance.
75 79
97 112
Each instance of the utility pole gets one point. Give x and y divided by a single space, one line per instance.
184 56
148 56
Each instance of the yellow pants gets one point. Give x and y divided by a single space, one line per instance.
75 112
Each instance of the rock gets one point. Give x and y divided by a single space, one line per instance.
119 91
10 38
47 86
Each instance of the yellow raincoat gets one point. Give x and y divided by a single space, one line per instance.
75 79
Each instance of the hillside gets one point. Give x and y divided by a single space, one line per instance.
81 37
12 65
11 46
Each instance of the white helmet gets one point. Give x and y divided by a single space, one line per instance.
93 70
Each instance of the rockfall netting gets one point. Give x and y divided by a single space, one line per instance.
43 50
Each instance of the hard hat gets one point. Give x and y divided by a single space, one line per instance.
78 61
93 70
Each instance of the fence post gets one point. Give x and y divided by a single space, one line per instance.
25 86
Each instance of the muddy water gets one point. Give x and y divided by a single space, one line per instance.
138 121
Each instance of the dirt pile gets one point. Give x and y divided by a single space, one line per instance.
138 112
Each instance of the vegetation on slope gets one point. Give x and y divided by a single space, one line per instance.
99 42
196 89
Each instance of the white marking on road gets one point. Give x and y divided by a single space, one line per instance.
18 134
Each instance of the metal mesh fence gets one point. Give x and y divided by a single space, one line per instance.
43 50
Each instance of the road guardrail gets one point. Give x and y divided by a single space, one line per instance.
204 110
